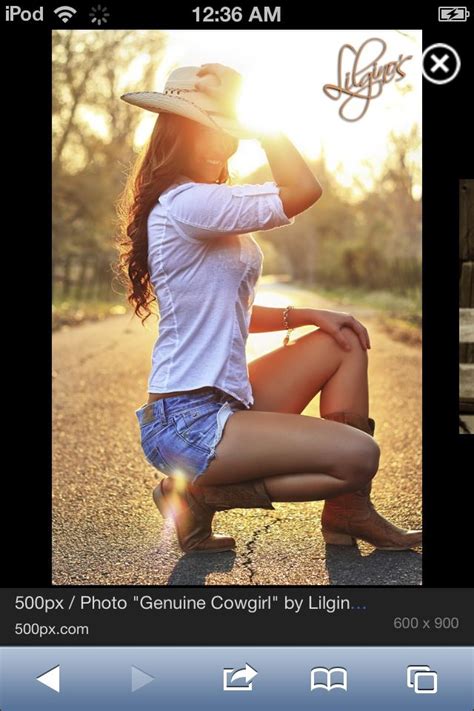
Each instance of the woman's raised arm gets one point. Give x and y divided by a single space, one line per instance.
299 188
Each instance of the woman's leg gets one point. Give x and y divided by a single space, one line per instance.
345 386
301 458
311 458
288 378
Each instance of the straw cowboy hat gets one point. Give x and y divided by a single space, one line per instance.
181 97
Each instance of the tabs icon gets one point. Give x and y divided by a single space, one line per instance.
422 680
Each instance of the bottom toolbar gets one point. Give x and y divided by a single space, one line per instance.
392 678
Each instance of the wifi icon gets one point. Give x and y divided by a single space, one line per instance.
65 12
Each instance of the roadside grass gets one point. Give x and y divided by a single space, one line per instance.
76 312
399 315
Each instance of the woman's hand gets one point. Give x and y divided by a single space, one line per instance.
333 321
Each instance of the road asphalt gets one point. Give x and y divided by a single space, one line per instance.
106 529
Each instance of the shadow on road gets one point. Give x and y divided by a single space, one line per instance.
347 566
193 568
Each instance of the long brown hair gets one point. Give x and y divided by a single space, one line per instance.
161 160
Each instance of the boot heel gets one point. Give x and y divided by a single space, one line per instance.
192 522
338 539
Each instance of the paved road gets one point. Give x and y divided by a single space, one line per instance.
106 529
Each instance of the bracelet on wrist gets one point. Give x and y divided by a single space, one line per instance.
287 325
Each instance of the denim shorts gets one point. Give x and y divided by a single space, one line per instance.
179 434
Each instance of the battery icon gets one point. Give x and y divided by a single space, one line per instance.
453 14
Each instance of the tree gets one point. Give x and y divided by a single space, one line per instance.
93 130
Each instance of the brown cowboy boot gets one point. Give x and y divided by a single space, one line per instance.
192 508
353 515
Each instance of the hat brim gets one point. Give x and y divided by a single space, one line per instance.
158 102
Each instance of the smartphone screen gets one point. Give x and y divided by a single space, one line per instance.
238 480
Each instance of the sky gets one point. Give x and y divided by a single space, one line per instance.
284 73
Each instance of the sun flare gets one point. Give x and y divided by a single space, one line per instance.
283 75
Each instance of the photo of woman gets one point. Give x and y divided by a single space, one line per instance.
237 312
223 433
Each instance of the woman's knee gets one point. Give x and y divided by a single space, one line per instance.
356 347
367 460
360 464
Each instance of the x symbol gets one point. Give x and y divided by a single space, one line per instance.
439 63
436 56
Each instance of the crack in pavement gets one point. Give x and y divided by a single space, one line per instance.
250 547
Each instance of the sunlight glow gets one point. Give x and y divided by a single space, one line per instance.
284 72
97 122
259 106
134 72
